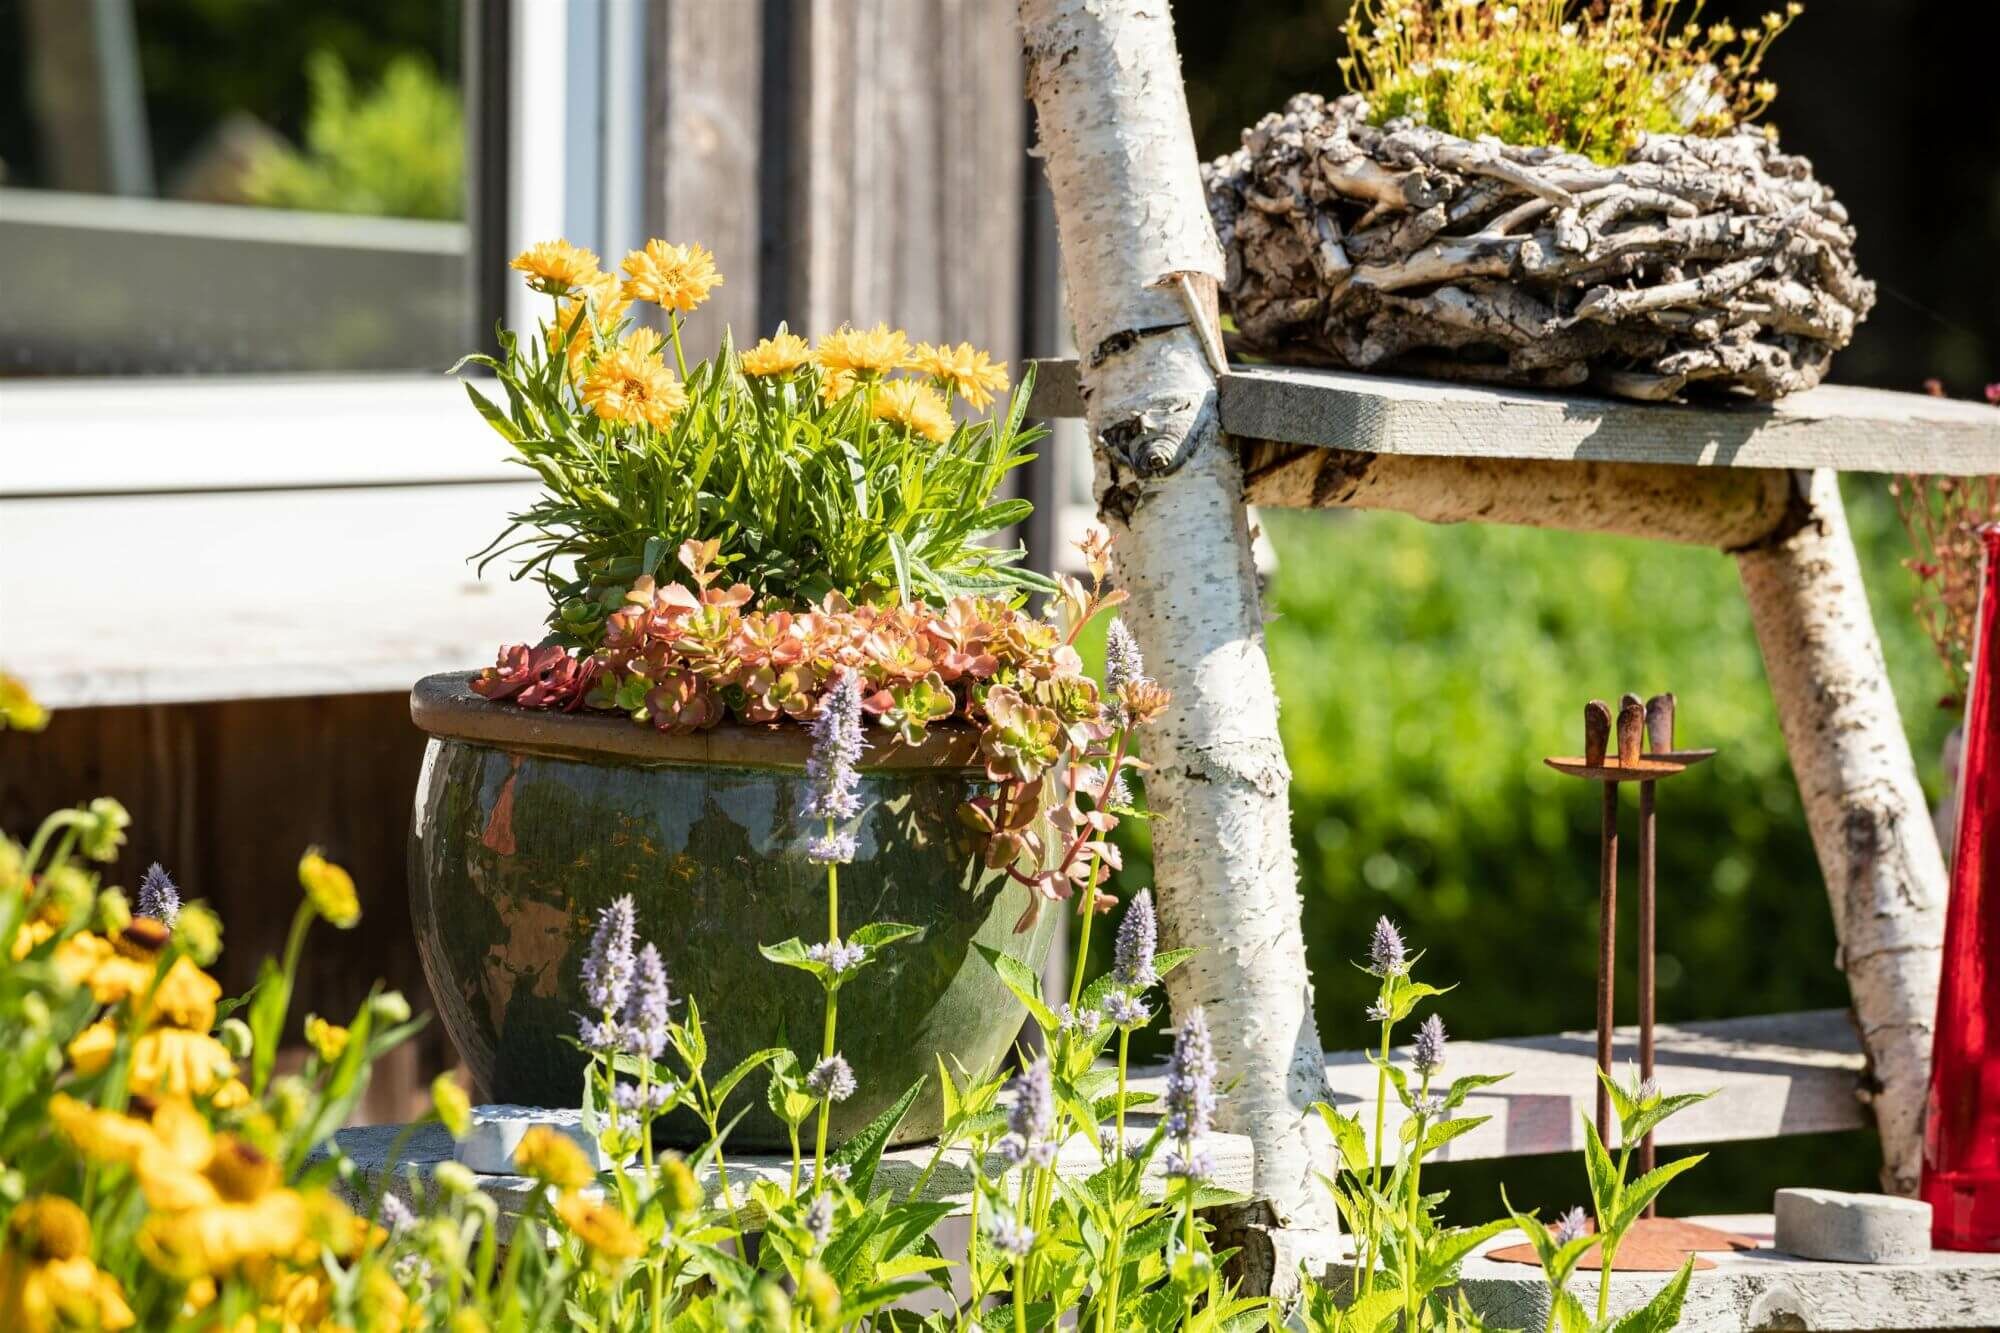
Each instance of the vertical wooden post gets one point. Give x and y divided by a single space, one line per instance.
1877 849
1112 113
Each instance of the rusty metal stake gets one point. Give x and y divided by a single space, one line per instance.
1660 739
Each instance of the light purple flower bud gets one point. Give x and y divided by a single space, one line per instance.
1570 1225
1033 1114
839 1172
159 898
1191 1081
1386 954
609 962
1647 1092
1190 1164
653 1097
819 1219
1138 937
1086 1022
1126 1011
831 1080
1009 1236
1123 664
646 1007
396 1214
1428 1106
838 847
1378 1012
1428 1052
837 746
836 956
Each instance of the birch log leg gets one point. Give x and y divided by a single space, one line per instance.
1870 824
1106 82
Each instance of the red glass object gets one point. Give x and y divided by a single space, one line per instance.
1961 1178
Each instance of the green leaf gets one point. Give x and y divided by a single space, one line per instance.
880 934
267 1018
1664 1310
756 1059
1436 1136
1166 960
861 1153
1604 1178
1348 1136
1027 987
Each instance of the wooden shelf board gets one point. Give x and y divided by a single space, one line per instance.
1849 429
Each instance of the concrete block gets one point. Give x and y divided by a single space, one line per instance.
497 1129
1852 1228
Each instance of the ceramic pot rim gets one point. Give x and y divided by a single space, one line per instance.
444 706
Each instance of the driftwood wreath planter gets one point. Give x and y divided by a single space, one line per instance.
1717 263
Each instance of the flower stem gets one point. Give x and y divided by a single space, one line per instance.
832 1009
1411 1296
1365 1252
674 332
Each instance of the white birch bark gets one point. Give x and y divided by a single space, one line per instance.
1106 83
1877 849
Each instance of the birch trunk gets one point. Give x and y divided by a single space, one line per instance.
1877 850
1136 241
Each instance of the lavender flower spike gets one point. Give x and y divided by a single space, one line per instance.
1191 1081
1138 935
819 1219
1032 1116
1009 1236
1570 1225
609 961
1386 954
1428 1056
1122 663
158 896
646 1017
831 1079
837 746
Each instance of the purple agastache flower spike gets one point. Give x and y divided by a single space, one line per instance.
396 1214
839 1171
609 962
1009 1236
1378 1012
1191 1081
1122 663
1429 1106
1138 936
646 1006
159 898
1386 954
837 957
838 846
1647 1092
831 1080
1570 1225
1190 1164
1070 1020
1032 1117
837 746
819 1219
1126 1011
1428 1055
630 1097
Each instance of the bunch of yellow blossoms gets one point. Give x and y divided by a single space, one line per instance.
621 375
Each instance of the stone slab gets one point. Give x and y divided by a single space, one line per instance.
497 1130
1852 1228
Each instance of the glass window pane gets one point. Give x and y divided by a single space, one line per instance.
202 186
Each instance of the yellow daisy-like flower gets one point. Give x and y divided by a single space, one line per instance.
607 1233
594 311
166 1062
916 405
186 997
780 354
863 352
330 888
233 1212
836 385
678 277
328 1040
554 1158
47 1281
18 708
555 266
631 386
964 370
104 1137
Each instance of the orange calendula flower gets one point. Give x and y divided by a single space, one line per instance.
863 352
780 354
632 386
964 370
678 277
916 405
47 1280
555 266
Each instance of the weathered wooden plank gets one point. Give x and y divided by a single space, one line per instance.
1848 429
906 1171
1773 1075
255 594
1759 1288
704 133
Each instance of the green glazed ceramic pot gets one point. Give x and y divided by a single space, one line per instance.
528 823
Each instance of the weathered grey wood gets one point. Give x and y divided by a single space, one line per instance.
704 130
902 1170
1846 429
1760 1288
1773 1075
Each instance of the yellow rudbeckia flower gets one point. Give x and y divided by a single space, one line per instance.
240 1213
679 277
964 370
553 1157
917 406
863 352
632 386
555 266
330 888
47 1281
166 1061
604 1231
780 354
